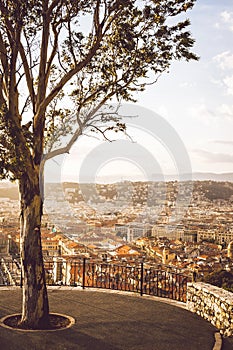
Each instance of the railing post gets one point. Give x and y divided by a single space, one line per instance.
141 289
84 272
75 272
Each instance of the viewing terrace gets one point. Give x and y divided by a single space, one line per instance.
114 307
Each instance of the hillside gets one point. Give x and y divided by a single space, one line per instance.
211 190
9 192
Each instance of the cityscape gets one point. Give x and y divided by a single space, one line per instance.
126 224
116 180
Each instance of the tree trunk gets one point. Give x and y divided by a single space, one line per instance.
35 308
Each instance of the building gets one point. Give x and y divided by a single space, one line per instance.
5 244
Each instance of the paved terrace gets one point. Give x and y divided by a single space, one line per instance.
111 321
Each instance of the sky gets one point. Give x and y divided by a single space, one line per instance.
197 97
192 107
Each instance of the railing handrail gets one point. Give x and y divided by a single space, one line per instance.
88 274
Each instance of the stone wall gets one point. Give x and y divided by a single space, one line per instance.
213 304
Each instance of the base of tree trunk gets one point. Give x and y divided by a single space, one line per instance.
56 322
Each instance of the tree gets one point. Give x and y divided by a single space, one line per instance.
55 54
220 278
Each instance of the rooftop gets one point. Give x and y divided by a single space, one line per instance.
109 320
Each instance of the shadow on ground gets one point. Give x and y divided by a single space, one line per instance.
110 321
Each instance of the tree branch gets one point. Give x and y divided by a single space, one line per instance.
29 78
52 6
69 75
53 53
3 58
71 46
102 132
78 132
2 99
41 91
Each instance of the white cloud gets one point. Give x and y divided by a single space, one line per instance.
224 60
225 111
223 142
227 17
208 116
203 113
212 157
228 81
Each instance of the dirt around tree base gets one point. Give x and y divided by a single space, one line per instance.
56 322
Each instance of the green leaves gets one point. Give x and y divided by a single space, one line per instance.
61 60
8 159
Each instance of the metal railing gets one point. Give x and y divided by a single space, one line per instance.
10 272
87 274
132 278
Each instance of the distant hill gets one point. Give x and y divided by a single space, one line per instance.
213 190
9 191
213 177
196 176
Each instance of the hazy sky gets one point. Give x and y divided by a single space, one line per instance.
195 99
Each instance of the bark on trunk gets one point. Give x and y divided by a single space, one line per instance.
35 308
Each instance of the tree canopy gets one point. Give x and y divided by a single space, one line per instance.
221 278
60 60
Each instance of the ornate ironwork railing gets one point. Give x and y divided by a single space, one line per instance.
132 278
10 272
87 274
